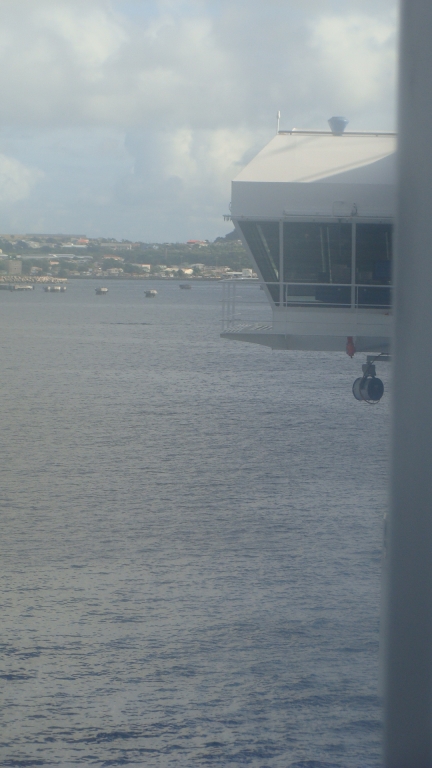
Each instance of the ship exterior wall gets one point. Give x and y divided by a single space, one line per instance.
334 200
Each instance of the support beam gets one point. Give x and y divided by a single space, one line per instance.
408 658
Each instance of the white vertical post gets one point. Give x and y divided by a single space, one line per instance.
281 287
353 263
408 658
233 305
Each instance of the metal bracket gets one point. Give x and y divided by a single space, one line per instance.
384 357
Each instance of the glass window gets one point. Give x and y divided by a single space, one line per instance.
373 254
373 265
262 238
317 261
317 253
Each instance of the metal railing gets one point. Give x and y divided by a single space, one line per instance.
334 295
243 305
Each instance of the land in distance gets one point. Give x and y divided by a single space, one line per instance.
80 256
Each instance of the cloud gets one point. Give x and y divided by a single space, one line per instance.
184 172
90 36
357 55
186 88
66 62
16 180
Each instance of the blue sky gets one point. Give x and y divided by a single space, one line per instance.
129 118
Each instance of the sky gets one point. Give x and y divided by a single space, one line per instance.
130 118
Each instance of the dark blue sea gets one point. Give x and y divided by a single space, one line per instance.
191 536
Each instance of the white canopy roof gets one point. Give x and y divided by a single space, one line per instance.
293 174
307 157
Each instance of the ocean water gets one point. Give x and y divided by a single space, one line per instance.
191 534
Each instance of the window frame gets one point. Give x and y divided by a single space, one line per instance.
354 285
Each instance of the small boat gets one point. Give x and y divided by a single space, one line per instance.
16 287
185 286
101 291
151 294
54 288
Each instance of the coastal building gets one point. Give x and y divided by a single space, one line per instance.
14 267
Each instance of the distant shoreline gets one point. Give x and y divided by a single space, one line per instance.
46 280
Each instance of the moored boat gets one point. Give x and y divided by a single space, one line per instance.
19 287
54 288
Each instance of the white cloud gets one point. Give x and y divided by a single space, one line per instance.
189 86
357 54
16 180
197 157
66 62
88 34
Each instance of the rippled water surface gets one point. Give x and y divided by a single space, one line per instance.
191 539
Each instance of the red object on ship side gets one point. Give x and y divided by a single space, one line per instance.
350 346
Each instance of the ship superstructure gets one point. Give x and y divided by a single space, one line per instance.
315 210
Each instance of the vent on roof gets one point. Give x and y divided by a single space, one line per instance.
338 125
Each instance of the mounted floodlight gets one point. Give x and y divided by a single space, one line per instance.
338 125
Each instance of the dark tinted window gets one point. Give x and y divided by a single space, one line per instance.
373 254
317 253
262 238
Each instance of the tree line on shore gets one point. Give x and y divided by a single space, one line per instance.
223 252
